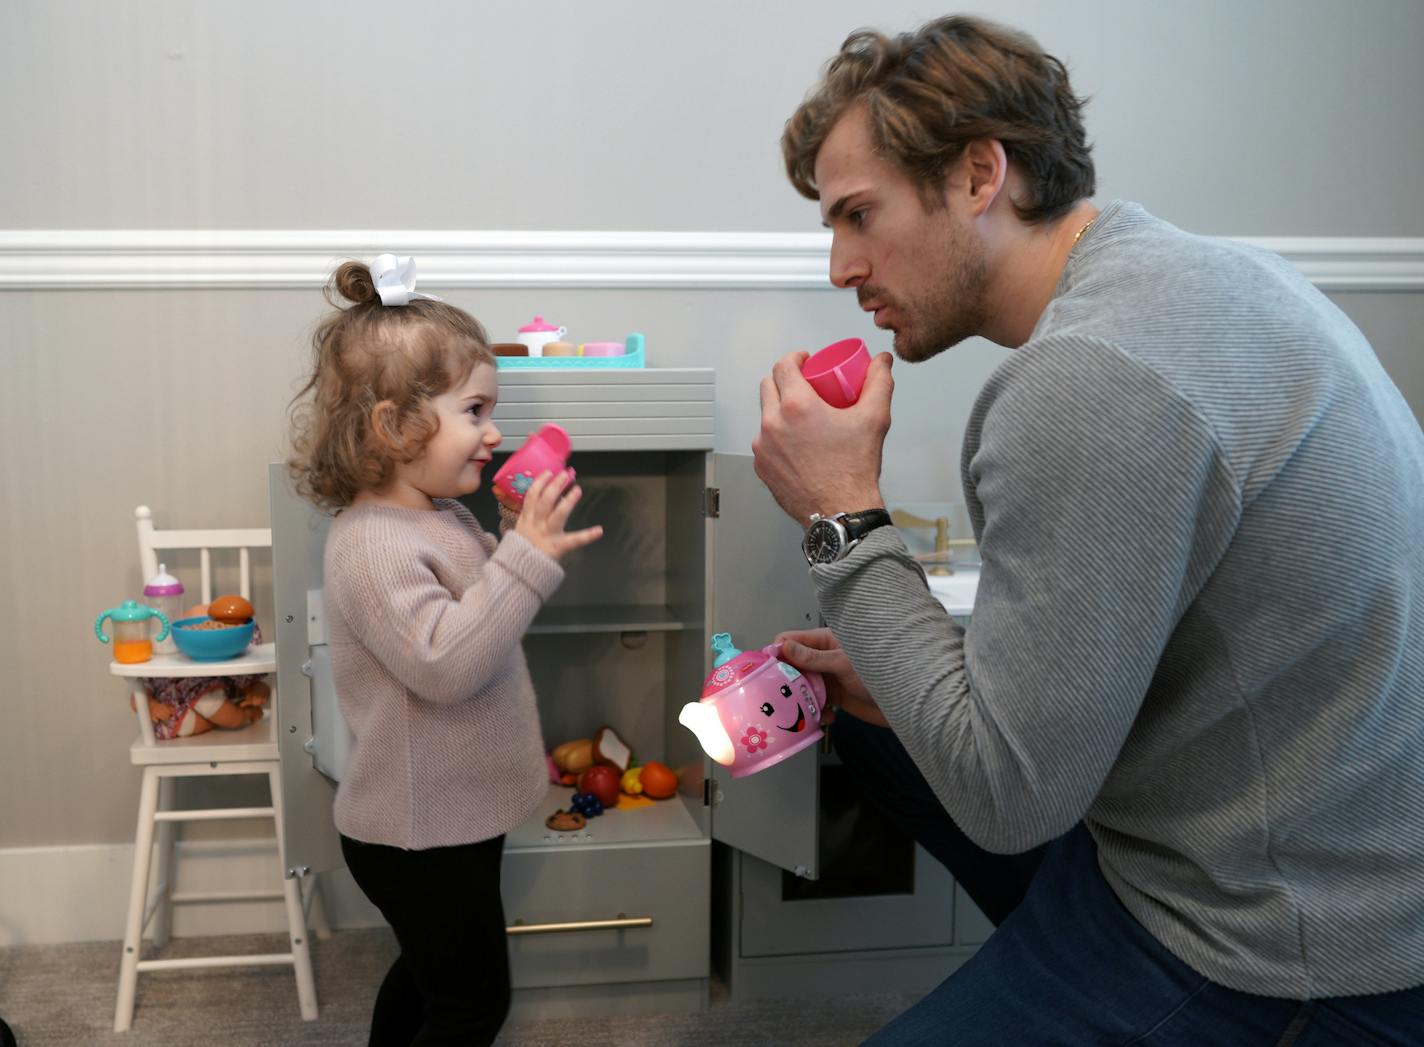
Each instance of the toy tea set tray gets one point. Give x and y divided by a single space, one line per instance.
632 356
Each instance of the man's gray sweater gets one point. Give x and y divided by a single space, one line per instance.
1200 623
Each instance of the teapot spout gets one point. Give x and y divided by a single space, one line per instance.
702 720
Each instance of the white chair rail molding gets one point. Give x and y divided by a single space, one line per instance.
33 259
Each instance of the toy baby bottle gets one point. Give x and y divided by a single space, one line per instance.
756 709
131 621
164 593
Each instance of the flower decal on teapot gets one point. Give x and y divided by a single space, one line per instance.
755 738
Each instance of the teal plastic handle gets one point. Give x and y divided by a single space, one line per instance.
152 613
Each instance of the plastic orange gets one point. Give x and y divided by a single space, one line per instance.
659 780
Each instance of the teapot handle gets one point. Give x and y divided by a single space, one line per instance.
99 626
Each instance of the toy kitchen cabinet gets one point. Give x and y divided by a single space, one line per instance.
619 916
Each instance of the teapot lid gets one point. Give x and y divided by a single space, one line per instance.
730 666
163 584
538 324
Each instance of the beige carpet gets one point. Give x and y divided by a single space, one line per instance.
64 995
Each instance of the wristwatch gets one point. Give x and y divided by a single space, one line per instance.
831 538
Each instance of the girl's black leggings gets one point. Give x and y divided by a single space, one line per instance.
450 983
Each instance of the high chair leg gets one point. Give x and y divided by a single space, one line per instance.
296 915
138 899
163 876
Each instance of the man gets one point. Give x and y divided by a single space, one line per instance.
1209 746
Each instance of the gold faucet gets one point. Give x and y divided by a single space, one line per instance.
943 542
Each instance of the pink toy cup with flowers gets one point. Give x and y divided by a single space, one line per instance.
837 372
546 450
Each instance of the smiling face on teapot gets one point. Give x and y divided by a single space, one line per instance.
783 709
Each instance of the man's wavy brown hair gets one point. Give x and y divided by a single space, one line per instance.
930 93
370 354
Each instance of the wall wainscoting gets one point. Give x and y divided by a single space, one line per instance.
80 893
65 259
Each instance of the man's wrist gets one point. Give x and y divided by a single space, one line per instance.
852 502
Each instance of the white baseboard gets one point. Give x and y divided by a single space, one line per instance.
50 895
116 259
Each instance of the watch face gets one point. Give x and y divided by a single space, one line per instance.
822 543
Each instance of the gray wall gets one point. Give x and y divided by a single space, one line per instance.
1265 119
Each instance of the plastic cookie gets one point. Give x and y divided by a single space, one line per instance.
565 821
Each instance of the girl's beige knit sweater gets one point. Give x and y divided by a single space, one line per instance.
426 612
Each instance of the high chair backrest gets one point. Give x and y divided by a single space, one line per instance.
151 540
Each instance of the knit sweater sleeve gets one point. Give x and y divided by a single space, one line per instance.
1101 503
441 645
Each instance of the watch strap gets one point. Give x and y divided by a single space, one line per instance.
859 524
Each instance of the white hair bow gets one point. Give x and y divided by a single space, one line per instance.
395 280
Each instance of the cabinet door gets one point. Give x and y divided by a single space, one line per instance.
309 840
760 586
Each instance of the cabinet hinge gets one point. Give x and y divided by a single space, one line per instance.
711 502
711 795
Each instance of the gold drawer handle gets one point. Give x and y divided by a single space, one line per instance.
621 922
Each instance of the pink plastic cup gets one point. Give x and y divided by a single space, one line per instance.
546 450
837 372
603 349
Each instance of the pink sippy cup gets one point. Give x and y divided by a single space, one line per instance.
546 450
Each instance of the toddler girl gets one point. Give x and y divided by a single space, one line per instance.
425 613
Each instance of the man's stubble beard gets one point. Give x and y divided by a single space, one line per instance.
952 311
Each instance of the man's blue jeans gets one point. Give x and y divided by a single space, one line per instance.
1068 964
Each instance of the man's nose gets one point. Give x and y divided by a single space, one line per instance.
848 268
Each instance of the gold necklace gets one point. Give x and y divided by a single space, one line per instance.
1082 231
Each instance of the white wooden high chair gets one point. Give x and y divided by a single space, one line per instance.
248 750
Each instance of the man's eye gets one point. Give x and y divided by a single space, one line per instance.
857 217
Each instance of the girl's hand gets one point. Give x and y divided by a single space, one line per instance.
547 505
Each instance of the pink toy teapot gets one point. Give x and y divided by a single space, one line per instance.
756 709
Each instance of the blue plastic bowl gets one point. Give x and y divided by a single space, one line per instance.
211 645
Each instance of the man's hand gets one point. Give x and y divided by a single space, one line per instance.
818 650
815 458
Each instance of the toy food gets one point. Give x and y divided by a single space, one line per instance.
631 782
230 610
565 821
586 804
612 750
602 781
658 780
574 757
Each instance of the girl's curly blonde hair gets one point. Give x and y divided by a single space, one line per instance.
397 357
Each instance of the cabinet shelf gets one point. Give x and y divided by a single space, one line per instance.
607 618
665 822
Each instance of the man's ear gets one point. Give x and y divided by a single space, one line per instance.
983 172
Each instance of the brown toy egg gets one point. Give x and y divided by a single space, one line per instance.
230 610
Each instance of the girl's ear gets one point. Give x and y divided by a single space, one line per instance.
385 426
